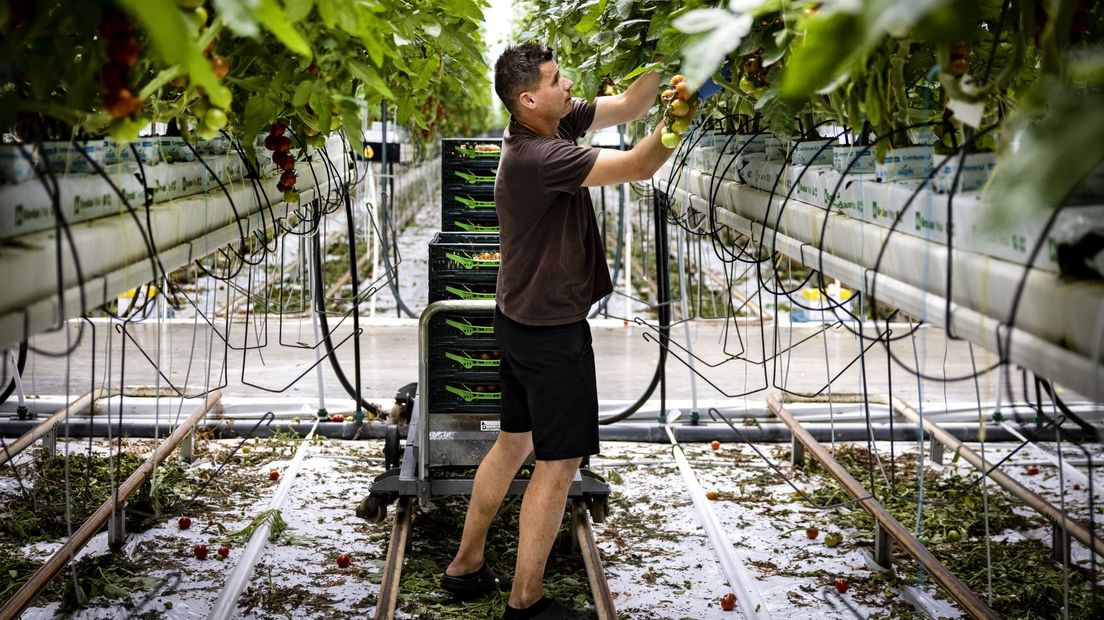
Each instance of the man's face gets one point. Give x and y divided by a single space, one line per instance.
553 95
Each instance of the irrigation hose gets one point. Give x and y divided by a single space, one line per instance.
20 364
320 309
663 288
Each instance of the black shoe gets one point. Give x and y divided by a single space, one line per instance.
544 609
473 585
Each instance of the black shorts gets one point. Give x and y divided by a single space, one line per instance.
548 386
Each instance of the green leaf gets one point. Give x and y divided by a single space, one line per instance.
641 70
270 14
351 114
320 102
259 111
719 33
238 16
370 78
831 43
172 38
302 93
298 10
590 18
1054 155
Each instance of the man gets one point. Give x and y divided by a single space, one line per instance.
553 268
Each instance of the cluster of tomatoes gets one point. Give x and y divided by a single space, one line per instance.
278 142
490 256
122 53
959 64
676 99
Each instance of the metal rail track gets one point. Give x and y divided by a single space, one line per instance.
581 532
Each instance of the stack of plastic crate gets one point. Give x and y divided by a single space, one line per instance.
468 168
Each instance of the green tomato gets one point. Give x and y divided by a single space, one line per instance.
679 107
759 92
215 119
747 108
746 84
317 140
954 536
680 126
291 196
205 132
198 18
669 139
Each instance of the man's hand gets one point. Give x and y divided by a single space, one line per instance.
630 105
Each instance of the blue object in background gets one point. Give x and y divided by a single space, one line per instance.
710 88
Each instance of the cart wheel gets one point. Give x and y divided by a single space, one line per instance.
373 508
392 452
599 505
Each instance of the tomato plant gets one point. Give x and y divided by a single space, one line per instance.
1028 67
237 65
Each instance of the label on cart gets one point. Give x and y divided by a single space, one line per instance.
489 425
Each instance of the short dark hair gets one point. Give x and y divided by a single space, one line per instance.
518 69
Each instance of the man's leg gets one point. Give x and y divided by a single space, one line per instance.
492 480
542 511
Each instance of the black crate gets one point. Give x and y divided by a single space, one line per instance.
469 196
470 393
463 266
455 358
467 213
469 329
461 221
465 149
474 166
465 176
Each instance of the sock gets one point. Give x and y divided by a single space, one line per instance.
529 612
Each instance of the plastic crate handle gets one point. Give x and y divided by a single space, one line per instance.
472 203
468 226
469 395
474 178
468 294
469 362
469 329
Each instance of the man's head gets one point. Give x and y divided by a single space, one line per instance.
529 83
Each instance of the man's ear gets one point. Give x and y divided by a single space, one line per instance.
526 100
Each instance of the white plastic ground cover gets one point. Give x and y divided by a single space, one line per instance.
863 197
1057 327
113 254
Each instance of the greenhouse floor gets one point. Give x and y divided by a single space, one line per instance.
658 560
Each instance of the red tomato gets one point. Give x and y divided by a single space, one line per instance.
200 551
728 602
841 585
273 475
343 560
184 523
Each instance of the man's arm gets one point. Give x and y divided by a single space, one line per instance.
630 105
638 164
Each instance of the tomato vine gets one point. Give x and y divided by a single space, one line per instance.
84 69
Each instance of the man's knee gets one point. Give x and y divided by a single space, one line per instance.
562 467
518 445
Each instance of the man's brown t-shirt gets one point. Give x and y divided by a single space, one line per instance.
553 265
